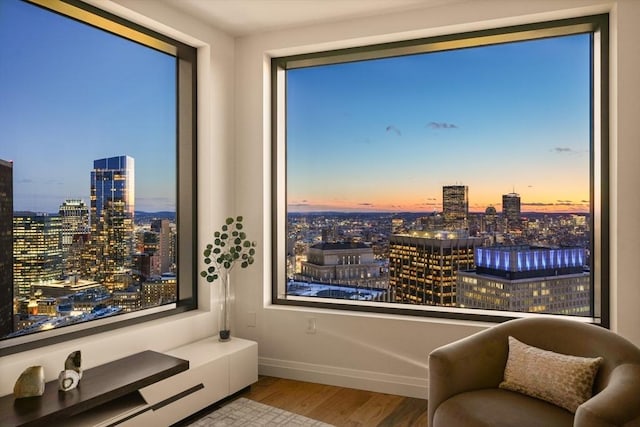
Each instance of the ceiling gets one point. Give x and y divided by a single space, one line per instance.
245 17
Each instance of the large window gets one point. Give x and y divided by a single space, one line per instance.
97 173
460 176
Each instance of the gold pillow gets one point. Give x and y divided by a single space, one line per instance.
565 381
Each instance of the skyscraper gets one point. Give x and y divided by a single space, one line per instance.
37 252
423 265
511 210
163 231
112 215
455 206
74 217
6 248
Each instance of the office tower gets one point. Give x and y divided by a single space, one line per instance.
490 220
511 211
6 248
527 279
159 291
163 231
423 265
455 206
74 217
112 215
37 250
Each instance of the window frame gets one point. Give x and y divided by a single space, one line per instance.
186 175
596 25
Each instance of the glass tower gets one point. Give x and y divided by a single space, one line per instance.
112 215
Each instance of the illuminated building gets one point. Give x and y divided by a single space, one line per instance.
511 210
163 231
160 290
455 206
112 214
60 288
527 279
74 216
37 252
342 263
6 248
128 300
423 265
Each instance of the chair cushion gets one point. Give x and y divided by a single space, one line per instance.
499 408
561 379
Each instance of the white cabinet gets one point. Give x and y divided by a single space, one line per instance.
216 370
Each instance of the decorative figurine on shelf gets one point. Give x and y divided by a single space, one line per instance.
230 247
70 377
30 383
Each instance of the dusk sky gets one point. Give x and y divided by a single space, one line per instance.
71 94
388 134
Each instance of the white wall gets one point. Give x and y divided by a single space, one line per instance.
390 353
376 352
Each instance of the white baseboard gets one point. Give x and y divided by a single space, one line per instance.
344 377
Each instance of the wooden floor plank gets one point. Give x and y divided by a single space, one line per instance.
342 407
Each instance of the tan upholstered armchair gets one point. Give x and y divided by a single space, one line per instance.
464 377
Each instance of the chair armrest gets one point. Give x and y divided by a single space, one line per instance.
472 363
618 404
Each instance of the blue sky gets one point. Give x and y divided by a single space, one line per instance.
388 134
71 94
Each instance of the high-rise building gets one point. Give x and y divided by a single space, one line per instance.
455 206
511 211
423 266
37 251
74 217
527 279
112 215
6 248
163 230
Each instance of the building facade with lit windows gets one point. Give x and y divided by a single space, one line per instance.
112 215
511 211
455 206
37 252
423 266
527 279
74 218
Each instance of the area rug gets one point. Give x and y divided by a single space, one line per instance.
246 412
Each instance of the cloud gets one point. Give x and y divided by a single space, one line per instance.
365 204
392 128
441 125
25 181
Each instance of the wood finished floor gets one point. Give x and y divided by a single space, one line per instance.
337 405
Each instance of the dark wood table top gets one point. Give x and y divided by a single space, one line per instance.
98 385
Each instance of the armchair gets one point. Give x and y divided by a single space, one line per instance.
464 377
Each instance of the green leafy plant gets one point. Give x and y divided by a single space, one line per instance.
229 248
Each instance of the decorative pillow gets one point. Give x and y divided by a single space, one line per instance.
565 381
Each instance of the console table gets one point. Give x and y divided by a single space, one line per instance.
144 389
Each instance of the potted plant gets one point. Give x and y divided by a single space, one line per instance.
230 247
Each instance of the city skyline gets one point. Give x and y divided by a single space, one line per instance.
73 94
386 135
